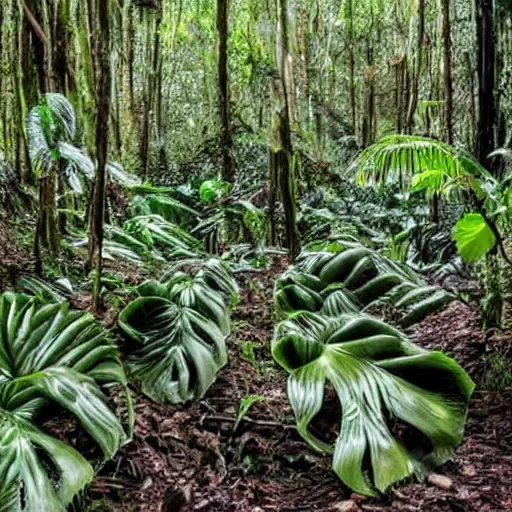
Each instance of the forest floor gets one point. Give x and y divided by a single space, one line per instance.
196 457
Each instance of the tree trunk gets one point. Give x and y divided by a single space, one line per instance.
102 92
447 70
144 146
352 64
486 79
369 120
415 88
287 182
224 99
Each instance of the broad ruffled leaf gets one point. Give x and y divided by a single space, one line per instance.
377 374
181 350
182 327
50 354
351 278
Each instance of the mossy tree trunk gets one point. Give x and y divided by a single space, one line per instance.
102 93
224 96
286 157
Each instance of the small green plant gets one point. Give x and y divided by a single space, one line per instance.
213 190
245 404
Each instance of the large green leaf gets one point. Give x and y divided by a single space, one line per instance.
473 236
156 232
353 277
51 355
378 376
182 327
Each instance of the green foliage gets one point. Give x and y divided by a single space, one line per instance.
212 190
51 356
473 236
439 169
378 376
350 277
160 201
245 404
418 162
498 375
181 328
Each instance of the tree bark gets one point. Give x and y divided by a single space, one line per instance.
224 99
447 70
486 79
102 92
415 88
352 64
287 182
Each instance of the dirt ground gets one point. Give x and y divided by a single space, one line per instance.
196 458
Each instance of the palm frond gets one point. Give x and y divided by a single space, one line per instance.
119 175
399 158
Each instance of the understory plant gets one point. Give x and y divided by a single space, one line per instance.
346 276
180 329
382 381
440 171
420 164
52 357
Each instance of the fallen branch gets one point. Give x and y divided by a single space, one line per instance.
246 419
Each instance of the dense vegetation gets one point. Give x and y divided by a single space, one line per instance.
337 172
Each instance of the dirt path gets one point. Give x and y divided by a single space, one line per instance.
194 458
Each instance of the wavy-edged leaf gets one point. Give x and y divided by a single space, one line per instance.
180 350
377 373
50 354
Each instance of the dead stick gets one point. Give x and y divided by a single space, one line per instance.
261 423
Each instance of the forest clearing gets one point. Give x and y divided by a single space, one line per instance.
255 255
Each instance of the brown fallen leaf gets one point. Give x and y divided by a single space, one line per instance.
469 471
344 506
443 482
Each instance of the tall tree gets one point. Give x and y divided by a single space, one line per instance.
286 159
352 63
415 86
447 70
102 93
486 79
224 97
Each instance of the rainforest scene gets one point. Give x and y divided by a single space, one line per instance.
255 255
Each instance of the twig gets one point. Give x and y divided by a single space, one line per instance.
246 419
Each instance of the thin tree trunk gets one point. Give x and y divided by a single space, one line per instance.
131 60
287 183
224 99
472 102
102 90
486 79
352 64
144 146
415 88
447 70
